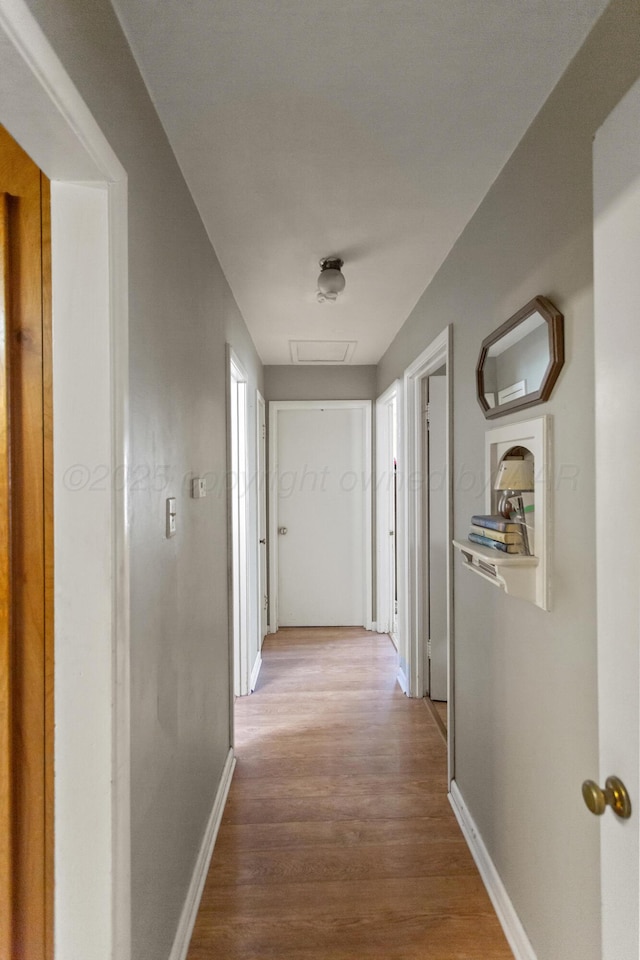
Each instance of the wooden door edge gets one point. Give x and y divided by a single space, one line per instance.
49 659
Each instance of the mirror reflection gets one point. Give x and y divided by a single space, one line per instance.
521 360
516 364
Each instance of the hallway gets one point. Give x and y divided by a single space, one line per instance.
338 841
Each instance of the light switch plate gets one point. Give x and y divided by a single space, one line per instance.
198 488
171 517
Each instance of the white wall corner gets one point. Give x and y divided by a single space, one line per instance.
192 902
505 910
255 673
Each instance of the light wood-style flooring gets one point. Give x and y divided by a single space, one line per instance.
338 842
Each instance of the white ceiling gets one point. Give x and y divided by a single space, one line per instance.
368 129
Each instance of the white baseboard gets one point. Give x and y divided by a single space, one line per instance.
192 901
505 910
255 673
401 677
394 639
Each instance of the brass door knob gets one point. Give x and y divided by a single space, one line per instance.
614 795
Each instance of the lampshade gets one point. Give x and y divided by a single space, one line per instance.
330 282
515 475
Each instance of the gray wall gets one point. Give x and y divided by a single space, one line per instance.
320 383
526 696
181 314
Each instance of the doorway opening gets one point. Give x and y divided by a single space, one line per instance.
426 505
45 114
434 541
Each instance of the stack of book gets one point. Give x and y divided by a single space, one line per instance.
497 533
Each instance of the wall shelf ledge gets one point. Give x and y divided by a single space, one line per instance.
514 573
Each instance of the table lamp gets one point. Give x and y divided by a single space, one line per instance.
515 477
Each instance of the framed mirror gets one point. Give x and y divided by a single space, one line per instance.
519 362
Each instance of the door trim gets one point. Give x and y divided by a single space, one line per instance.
45 113
275 406
241 595
410 512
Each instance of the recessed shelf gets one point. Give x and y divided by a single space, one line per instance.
519 575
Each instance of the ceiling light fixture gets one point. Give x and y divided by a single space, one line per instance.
330 282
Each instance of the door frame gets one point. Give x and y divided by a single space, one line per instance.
385 545
413 648
275 406
240 593
44 112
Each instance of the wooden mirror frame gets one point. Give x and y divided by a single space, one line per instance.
555 327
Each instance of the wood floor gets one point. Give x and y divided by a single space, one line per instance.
338 842
439 710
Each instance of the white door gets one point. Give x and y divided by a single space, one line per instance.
393 525
263 600
617 350
322 513
437 537
385 486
